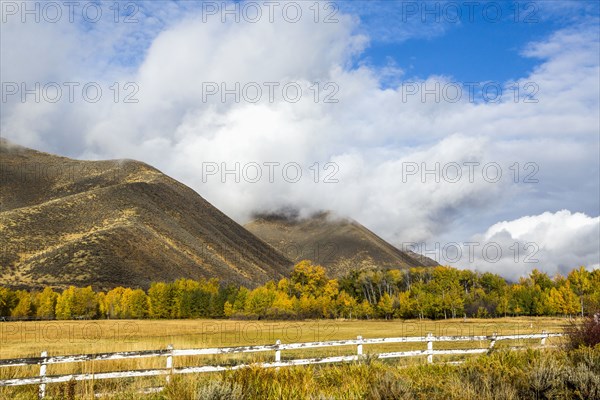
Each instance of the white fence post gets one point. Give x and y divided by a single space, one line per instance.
170 362
359 347
493 341
42 391
430 348
543 341
277 351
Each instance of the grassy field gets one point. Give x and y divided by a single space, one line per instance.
27 339
24 339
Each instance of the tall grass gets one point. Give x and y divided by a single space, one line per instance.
531 374
501 375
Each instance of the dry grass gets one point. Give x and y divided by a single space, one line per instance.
27 339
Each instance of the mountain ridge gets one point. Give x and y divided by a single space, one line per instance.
336 242
116 222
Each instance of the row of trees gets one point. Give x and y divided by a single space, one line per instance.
444 292
184 298
440 292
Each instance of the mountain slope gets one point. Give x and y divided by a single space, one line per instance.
110 223
335 243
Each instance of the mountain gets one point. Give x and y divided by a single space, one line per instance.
120 222
336 243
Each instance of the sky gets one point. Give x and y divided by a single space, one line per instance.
467 131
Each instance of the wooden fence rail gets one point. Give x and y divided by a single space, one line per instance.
169 353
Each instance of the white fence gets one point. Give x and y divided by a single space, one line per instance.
169 353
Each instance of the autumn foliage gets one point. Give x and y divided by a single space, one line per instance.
369 292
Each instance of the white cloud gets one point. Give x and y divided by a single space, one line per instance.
553 242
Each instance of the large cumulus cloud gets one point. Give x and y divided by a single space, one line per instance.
369 137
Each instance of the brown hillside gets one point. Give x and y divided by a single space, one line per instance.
109 223
336 243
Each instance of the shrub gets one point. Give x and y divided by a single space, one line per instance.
389 386
589 356
219 390
545 378
583 377
586 333
583 382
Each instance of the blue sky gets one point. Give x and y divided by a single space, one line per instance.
476 45
481 52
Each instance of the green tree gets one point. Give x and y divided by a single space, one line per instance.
189 300
64 303
423 300
25 305
406 307
46 303
215 300
8 301
77 303
308 279
526 298
365 310
260 300
541 279
594 297
345 305
446 290
308 306
581 284
228 309
283 306
502 307
111 305
135 304
161 299
562 300
86 303
385 306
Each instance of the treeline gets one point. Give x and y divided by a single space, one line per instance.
440 292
